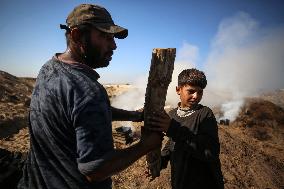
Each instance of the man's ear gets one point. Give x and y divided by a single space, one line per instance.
75 35
178 89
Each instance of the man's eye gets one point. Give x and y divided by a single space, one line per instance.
107 36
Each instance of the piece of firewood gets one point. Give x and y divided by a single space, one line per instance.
160 76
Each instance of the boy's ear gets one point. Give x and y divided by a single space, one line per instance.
178 88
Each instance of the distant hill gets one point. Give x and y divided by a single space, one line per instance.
15 89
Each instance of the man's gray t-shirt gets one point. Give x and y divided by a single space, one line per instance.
70 128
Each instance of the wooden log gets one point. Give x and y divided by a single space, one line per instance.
160 76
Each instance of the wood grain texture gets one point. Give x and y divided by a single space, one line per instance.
160 76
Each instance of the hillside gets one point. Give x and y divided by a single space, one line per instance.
14 102
252 147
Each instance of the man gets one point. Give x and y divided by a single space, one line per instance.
70 114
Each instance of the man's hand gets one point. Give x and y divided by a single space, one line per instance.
159 122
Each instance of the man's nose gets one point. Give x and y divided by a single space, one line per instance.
113 44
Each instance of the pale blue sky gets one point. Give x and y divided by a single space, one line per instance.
30 33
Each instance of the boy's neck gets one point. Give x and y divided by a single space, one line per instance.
187 107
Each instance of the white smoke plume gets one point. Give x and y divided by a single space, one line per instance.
231 109
134 98
245 59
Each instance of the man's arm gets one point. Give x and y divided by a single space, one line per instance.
119 159
125 115
97 159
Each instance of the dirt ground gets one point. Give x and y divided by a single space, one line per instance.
247 163
252 147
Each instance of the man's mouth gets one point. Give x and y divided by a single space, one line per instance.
109 55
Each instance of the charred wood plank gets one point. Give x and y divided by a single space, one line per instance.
160 76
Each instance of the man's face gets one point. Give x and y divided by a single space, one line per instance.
189 95
100 49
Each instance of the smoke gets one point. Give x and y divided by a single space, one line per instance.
244 60
231 109
134 99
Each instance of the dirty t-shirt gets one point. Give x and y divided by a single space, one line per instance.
195 159
70 128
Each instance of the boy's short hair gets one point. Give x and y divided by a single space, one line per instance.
192 77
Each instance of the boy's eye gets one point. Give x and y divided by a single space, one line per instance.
191 91
199 92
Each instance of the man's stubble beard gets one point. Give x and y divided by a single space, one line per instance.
93 57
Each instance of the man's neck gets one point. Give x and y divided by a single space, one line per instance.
69 57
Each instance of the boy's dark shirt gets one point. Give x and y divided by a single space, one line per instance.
195 159
70 128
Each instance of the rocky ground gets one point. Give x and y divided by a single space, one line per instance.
252 147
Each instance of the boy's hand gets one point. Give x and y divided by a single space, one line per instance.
160 122
151 140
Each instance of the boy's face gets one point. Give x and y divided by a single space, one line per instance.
189 95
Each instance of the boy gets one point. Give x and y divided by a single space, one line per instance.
193 148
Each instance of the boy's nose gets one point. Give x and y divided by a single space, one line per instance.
194 95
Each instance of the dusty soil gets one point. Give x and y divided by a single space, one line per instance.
252 147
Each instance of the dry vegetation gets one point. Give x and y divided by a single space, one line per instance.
252 147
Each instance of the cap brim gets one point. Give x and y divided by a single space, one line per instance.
118 31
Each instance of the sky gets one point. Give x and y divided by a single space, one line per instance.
30 33
239 44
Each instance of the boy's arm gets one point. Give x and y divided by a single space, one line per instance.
204 145
125 115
